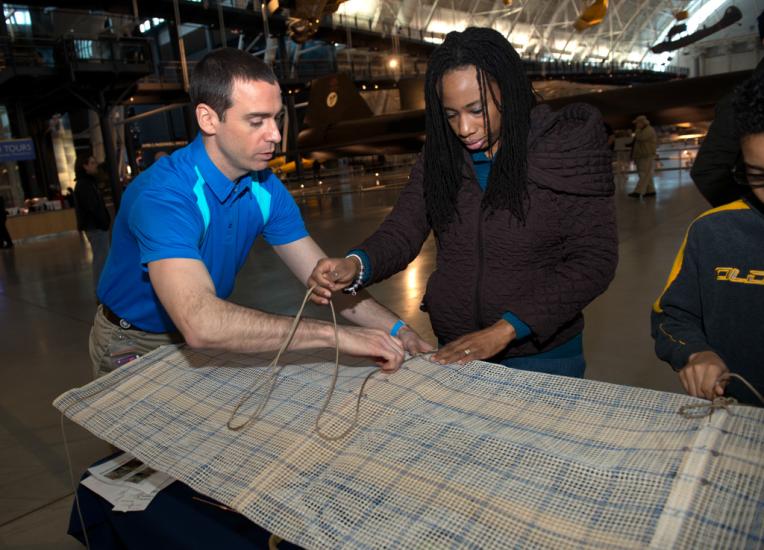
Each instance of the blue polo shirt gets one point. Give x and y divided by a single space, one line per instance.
184 207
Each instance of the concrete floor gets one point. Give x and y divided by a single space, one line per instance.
47 305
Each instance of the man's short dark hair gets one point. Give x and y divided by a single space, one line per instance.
748 104
213 77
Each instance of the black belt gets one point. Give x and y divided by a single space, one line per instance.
116 320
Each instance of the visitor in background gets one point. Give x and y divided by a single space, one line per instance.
93 218
5 237
643 152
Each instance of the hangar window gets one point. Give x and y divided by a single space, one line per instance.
17 17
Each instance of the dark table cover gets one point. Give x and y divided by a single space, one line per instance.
174 519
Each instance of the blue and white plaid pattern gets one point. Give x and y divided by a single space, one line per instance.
444 456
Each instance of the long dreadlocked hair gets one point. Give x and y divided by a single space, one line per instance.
495 60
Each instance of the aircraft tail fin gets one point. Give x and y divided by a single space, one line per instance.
412 93
334 98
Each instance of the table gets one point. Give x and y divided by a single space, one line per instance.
174 519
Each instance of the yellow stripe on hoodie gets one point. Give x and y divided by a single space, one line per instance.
677 267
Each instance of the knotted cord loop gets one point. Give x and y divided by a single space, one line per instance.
701 410
271 382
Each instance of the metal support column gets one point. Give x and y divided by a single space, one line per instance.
104 118
179 50
30 183
292 138
221 24
291 113
333 57
283 57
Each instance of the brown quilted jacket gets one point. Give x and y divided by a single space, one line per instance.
545 271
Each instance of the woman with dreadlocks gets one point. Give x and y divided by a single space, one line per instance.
520 201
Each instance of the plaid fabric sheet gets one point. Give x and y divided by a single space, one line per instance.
473 456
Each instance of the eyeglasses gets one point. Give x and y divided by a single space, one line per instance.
748 179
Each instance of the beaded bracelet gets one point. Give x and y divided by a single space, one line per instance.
358 283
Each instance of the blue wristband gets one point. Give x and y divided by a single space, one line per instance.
397 328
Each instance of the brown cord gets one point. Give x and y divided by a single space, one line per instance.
701 410
754 391
274 376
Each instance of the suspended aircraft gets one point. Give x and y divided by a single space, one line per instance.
339 122
593 15
731 16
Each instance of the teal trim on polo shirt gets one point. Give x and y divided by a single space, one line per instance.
201 199
218 183
263 198
482 165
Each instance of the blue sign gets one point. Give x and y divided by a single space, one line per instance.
16 149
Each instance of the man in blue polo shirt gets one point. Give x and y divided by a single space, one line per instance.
186 225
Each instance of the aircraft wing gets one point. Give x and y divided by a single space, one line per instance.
685 100
338 130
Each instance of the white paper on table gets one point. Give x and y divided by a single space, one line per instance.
133 501
109 491
123 499
128 471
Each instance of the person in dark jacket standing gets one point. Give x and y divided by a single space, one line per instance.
5 237
521 203
709 320
719 155
92 216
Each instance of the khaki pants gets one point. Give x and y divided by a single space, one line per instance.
645 168
112 346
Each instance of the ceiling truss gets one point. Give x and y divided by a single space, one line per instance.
544 28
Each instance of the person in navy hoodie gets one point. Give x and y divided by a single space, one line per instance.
709 320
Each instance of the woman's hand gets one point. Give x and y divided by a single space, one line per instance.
331 275
482 344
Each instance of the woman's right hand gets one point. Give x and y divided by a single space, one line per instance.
331 275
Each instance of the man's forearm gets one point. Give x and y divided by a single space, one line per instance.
218 324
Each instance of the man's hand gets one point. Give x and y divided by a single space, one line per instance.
482 344
412 342
700 376
370 342
331 275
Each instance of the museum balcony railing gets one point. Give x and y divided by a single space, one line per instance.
73 53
